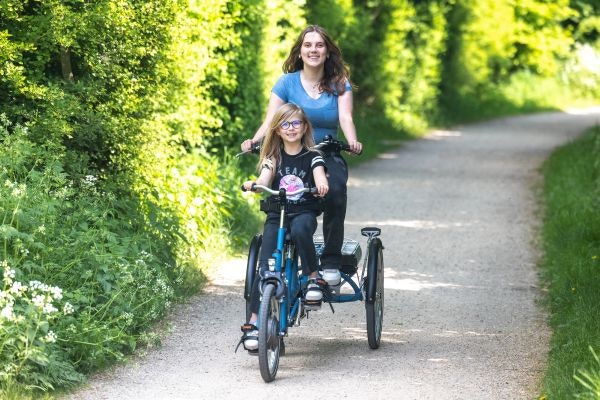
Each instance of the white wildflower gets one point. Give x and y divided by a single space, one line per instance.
9 273
7 312
39 300
49 308
90 180
18 191
17 287
56 292
35 285
50 337
68 309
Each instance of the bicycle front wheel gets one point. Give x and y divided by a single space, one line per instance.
269 342
374 301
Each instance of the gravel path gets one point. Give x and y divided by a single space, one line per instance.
458 217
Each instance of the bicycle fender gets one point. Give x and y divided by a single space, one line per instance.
372 270
276 279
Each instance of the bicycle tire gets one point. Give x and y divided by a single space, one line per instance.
375 293
269 342
251 270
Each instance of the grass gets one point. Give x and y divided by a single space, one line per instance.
571 268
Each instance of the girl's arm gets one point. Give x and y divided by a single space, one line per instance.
321 182
264 178
274 103
345 104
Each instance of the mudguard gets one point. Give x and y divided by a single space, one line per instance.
252 264
373 269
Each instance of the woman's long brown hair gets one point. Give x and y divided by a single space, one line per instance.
336 71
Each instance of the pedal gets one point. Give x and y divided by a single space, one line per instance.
312 305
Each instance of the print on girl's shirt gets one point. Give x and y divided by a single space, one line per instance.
291 183
291 171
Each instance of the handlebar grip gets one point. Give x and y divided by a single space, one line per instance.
251 189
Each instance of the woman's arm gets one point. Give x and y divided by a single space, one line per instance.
274 103
345 105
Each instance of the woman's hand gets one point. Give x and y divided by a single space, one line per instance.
356 146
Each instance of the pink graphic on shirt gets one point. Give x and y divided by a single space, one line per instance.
291 183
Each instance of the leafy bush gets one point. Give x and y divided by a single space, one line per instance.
66 240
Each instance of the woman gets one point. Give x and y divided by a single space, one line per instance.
317 79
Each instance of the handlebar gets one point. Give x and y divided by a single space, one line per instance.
331 144
328 144
255 149
278 192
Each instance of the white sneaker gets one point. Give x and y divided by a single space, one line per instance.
251 340
313 292
332 276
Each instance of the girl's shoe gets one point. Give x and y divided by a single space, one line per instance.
249 338
314 293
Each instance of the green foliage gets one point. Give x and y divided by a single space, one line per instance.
491 42
590 380
91 258
571 238
119 118
283 20
213 55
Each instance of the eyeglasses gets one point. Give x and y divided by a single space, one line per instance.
286 124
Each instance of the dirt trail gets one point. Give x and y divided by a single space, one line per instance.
458 217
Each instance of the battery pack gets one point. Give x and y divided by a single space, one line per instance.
351 253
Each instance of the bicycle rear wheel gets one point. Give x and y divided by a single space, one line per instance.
269 342
251 270
374 292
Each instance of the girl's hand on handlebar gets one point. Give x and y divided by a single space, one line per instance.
322 189
247 186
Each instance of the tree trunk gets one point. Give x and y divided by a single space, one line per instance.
65 64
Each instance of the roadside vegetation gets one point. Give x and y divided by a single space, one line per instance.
571 268
119 120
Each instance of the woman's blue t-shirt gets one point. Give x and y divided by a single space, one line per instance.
322 112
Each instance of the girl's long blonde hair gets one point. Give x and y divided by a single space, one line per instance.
273 144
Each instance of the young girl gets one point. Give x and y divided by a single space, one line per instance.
287 161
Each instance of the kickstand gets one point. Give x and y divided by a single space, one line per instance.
328 296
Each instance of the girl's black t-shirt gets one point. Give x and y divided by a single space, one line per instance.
295 172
